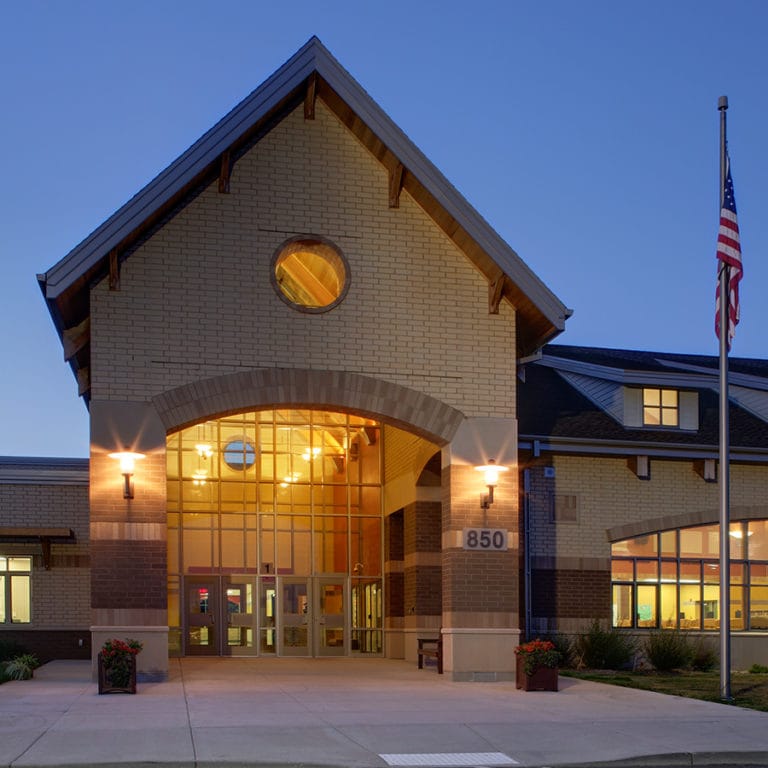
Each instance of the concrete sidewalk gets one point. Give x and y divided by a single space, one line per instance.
351 712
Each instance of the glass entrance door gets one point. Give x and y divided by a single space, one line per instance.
295 624
331 617
239 618
202 610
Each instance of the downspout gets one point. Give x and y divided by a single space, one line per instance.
527 552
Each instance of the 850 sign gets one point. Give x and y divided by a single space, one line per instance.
485 539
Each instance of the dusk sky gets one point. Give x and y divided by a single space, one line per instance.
586 133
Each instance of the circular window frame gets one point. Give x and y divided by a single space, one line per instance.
289 246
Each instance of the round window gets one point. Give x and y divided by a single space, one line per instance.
310 274
239 455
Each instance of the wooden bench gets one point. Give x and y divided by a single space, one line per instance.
433 649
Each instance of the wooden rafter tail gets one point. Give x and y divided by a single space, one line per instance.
76 338
224 173
495 292
310 96
396 175
83 381
114 271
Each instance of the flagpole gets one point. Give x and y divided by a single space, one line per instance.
725 568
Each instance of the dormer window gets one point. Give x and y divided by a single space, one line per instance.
660 407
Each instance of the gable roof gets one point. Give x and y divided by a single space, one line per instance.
311 73
571 399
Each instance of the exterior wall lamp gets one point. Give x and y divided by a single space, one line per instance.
491 472
127 461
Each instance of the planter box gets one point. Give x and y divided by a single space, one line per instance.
542 679
108 685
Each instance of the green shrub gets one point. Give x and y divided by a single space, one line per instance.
668 649
564 646
600 648
705 656
21 667
758 669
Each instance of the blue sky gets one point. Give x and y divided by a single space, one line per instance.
585 132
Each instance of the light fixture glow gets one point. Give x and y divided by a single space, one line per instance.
127 461
204 450
313 454
199 476
491 472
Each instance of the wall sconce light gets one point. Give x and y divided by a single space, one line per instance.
491 471
127 461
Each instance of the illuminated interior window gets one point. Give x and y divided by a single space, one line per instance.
15 590
671 579
310 274
660 407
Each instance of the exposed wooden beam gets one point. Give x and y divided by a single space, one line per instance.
114 271
76 338
310 96
83 380
395 185
224 173
495 292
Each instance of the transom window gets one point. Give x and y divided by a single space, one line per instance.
660 407
15 592
671 579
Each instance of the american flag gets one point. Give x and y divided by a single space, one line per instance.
729 256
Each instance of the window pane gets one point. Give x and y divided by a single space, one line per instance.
669 571
622 605
757 540
690 573
20 564
738 620
758 573
621 570
711 573
646 606
737 541
647 570
711 606
652 416
3 617
669 417
690 606
668 608
758 608
703 541
651 397
669 544
669 398
20 599
642 546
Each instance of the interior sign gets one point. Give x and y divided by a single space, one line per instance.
488 539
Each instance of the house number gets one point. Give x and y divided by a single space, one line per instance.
488 539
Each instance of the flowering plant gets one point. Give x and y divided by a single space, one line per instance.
537 653
117 656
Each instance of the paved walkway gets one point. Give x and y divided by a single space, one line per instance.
359 713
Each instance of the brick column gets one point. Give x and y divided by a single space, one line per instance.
481 588
128 536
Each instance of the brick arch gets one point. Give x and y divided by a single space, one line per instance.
295 387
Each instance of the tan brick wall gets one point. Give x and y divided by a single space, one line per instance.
61 595
196 299
609 494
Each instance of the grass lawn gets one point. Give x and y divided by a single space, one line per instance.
748 690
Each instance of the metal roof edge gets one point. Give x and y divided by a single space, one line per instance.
572 445
32 470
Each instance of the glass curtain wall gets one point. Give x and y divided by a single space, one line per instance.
261 498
